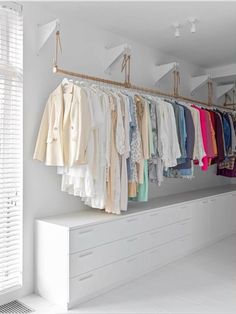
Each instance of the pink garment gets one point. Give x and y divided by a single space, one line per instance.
210 147
204 136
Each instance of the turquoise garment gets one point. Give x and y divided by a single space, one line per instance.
142 188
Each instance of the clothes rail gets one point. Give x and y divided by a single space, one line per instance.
127 84
58 70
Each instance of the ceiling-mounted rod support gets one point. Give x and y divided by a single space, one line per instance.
164 69
44 31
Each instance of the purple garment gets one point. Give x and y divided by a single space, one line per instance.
227 172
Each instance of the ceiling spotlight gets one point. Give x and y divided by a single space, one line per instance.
193 21
176 27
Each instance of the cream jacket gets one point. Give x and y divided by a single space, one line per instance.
65 128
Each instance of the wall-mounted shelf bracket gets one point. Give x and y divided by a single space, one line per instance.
199 81
164 69
113 54
44 31
223 89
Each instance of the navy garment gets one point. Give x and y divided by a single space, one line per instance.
227 133
219 137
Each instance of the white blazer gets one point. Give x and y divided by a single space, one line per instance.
64 131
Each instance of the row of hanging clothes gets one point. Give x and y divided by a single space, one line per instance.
109 143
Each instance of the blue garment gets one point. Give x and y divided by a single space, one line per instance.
181 129
227 133
182 132
132 126
184 166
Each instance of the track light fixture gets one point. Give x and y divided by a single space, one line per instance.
193 21
176 27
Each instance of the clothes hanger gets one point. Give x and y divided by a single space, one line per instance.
65 81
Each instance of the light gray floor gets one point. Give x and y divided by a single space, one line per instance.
201 283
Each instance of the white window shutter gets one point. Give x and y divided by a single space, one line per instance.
11 186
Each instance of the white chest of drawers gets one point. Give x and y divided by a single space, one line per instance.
83 254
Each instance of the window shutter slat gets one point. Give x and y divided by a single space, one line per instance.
11 98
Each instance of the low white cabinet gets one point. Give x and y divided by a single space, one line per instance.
81 255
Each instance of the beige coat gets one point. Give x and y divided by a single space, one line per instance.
65 128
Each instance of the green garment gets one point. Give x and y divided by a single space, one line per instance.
142 188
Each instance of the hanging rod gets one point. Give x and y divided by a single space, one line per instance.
228 105
129 86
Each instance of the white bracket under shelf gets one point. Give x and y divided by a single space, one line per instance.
163 69
223 89
113 54
198 81
44 31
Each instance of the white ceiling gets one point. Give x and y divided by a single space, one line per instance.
214 43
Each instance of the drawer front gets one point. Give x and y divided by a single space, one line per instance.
168 252
184 211
185 245
88 260
170 232
162 235
161 217
155 258
169 215
90 237
88 284
183 228
93 283
134 266
85 261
